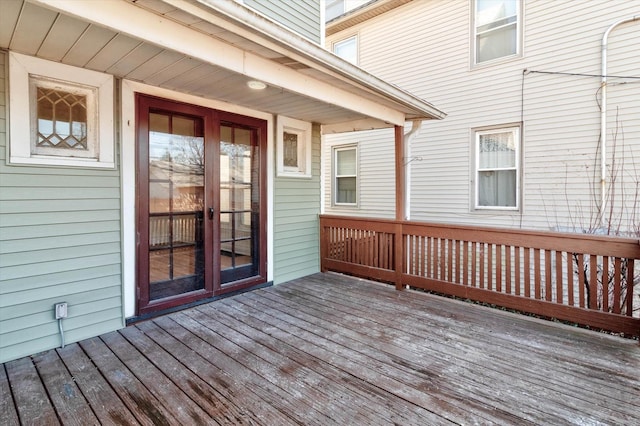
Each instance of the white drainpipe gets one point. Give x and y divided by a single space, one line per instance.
408 137
603 117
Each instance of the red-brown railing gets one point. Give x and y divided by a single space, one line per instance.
587 279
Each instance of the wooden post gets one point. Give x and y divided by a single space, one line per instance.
400 202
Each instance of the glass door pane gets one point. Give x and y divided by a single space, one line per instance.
176 205
239 203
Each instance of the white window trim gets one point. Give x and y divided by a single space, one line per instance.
334 177
516 129
519 38
303 130
344 40
21 68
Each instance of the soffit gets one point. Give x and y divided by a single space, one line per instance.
39 31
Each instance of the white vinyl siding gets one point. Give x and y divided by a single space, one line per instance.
376 175
560 158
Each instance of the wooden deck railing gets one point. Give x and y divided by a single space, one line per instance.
587 279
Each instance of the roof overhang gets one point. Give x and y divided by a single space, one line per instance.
210 48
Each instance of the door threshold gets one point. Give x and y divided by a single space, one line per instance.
150 315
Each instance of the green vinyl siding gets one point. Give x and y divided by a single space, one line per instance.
296 229
301 16
60 241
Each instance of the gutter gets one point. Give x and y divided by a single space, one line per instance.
603 116
316 54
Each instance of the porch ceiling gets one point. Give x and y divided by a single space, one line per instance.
73 34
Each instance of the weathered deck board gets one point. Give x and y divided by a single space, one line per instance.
71 406
328 349
104 402
506 343
473 366
7 407
33 404
200 359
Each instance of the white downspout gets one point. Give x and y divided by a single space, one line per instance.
408 137
603 117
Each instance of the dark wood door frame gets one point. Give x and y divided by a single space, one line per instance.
212 121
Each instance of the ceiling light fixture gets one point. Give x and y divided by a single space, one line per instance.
256 85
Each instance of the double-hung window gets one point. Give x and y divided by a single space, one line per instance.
345 166
497 29
497 168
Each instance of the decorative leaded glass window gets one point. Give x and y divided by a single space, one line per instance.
293 147
60 115
290 149
62 123
61 119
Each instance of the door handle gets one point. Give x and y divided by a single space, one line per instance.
210 213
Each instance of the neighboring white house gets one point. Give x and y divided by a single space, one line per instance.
523 140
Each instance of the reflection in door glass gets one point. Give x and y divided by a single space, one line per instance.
176 197
239 203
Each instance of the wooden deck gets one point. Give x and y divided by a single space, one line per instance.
329 349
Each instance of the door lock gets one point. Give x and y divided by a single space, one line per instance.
210 213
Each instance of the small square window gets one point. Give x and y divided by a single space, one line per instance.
60 115
294 147
61 119
347 49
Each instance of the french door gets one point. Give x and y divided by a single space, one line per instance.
201 199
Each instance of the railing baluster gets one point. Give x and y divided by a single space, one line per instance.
630 283
481 261
450 244
527 272
605 283
507 268
474 251
617 284
581 280
593 282
516 250
559 280
570 288
498 268
537 274
548 293
465 263
422 257
490 285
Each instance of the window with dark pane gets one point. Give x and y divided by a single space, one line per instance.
61 119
